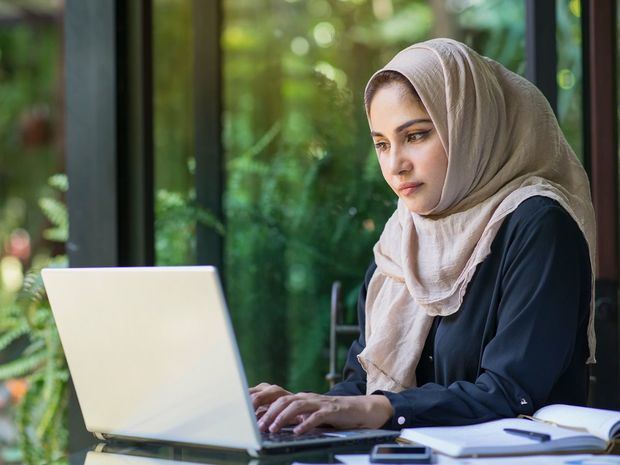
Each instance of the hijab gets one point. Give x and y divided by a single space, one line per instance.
504 146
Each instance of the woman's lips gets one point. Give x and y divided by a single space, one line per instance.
408 188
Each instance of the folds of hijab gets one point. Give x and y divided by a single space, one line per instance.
504 146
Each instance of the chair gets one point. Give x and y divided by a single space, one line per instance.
336 330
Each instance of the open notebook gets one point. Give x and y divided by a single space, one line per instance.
570 428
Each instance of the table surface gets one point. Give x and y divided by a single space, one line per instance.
118 453
121 453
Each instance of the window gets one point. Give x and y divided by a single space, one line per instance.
304 200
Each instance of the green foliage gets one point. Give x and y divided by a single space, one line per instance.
56 211
173 99
304 200
30 68
569 77
176 217
41 414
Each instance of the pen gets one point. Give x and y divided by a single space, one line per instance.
540 437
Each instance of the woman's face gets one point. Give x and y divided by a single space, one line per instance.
412 158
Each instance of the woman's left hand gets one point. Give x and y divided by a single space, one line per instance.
343 412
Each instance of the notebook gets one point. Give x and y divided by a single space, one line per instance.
153 357
570 428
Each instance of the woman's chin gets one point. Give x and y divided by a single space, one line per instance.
417 207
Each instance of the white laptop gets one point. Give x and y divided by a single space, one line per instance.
153 357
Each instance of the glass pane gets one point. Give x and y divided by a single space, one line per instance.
569 111
175 238
493 28
305 200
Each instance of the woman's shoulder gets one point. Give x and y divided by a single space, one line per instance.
543 220
540 211
538 205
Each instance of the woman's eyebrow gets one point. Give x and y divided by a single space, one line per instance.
404 126
411 122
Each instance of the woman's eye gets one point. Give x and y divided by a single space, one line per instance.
380 146
415 136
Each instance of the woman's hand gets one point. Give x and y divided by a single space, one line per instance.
263 395
309 410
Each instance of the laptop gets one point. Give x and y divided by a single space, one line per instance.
153 357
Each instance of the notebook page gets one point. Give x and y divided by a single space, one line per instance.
490 438
599 422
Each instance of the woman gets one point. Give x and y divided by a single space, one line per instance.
479 303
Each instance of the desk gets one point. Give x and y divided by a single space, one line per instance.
128 454
124 454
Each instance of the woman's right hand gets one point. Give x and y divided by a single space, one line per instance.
263 395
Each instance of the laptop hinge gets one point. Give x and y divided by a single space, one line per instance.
100 447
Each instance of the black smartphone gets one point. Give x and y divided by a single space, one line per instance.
401 453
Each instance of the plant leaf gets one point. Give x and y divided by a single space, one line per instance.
7 338
55 211
22 366
56 234
59 181
51 408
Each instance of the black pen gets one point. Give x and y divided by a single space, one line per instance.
540 437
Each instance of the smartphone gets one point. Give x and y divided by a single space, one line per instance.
401 453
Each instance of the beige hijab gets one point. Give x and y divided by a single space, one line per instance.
504 145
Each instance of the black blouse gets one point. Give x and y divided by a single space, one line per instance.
519 339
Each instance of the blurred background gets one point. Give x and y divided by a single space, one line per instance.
302 198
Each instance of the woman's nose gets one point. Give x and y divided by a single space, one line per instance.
399 163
